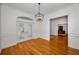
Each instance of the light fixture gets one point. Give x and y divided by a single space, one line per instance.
39 16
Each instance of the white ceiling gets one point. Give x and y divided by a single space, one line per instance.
32 8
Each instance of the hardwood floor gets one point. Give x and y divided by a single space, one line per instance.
56 46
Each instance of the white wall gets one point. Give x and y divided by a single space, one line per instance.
8 22
43 29
73 23
54 23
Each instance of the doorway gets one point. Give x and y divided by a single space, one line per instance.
59 33
59 26
62 29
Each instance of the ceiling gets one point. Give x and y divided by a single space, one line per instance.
32 8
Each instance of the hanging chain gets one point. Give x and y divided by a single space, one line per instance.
39 7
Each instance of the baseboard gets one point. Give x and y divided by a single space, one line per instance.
21 42
41 38
13 44
8 46
74 48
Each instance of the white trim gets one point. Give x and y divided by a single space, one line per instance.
8 46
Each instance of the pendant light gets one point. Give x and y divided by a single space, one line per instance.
39 16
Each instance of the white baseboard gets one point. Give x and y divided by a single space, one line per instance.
17 43
7 46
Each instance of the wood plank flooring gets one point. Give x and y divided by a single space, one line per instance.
56 46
